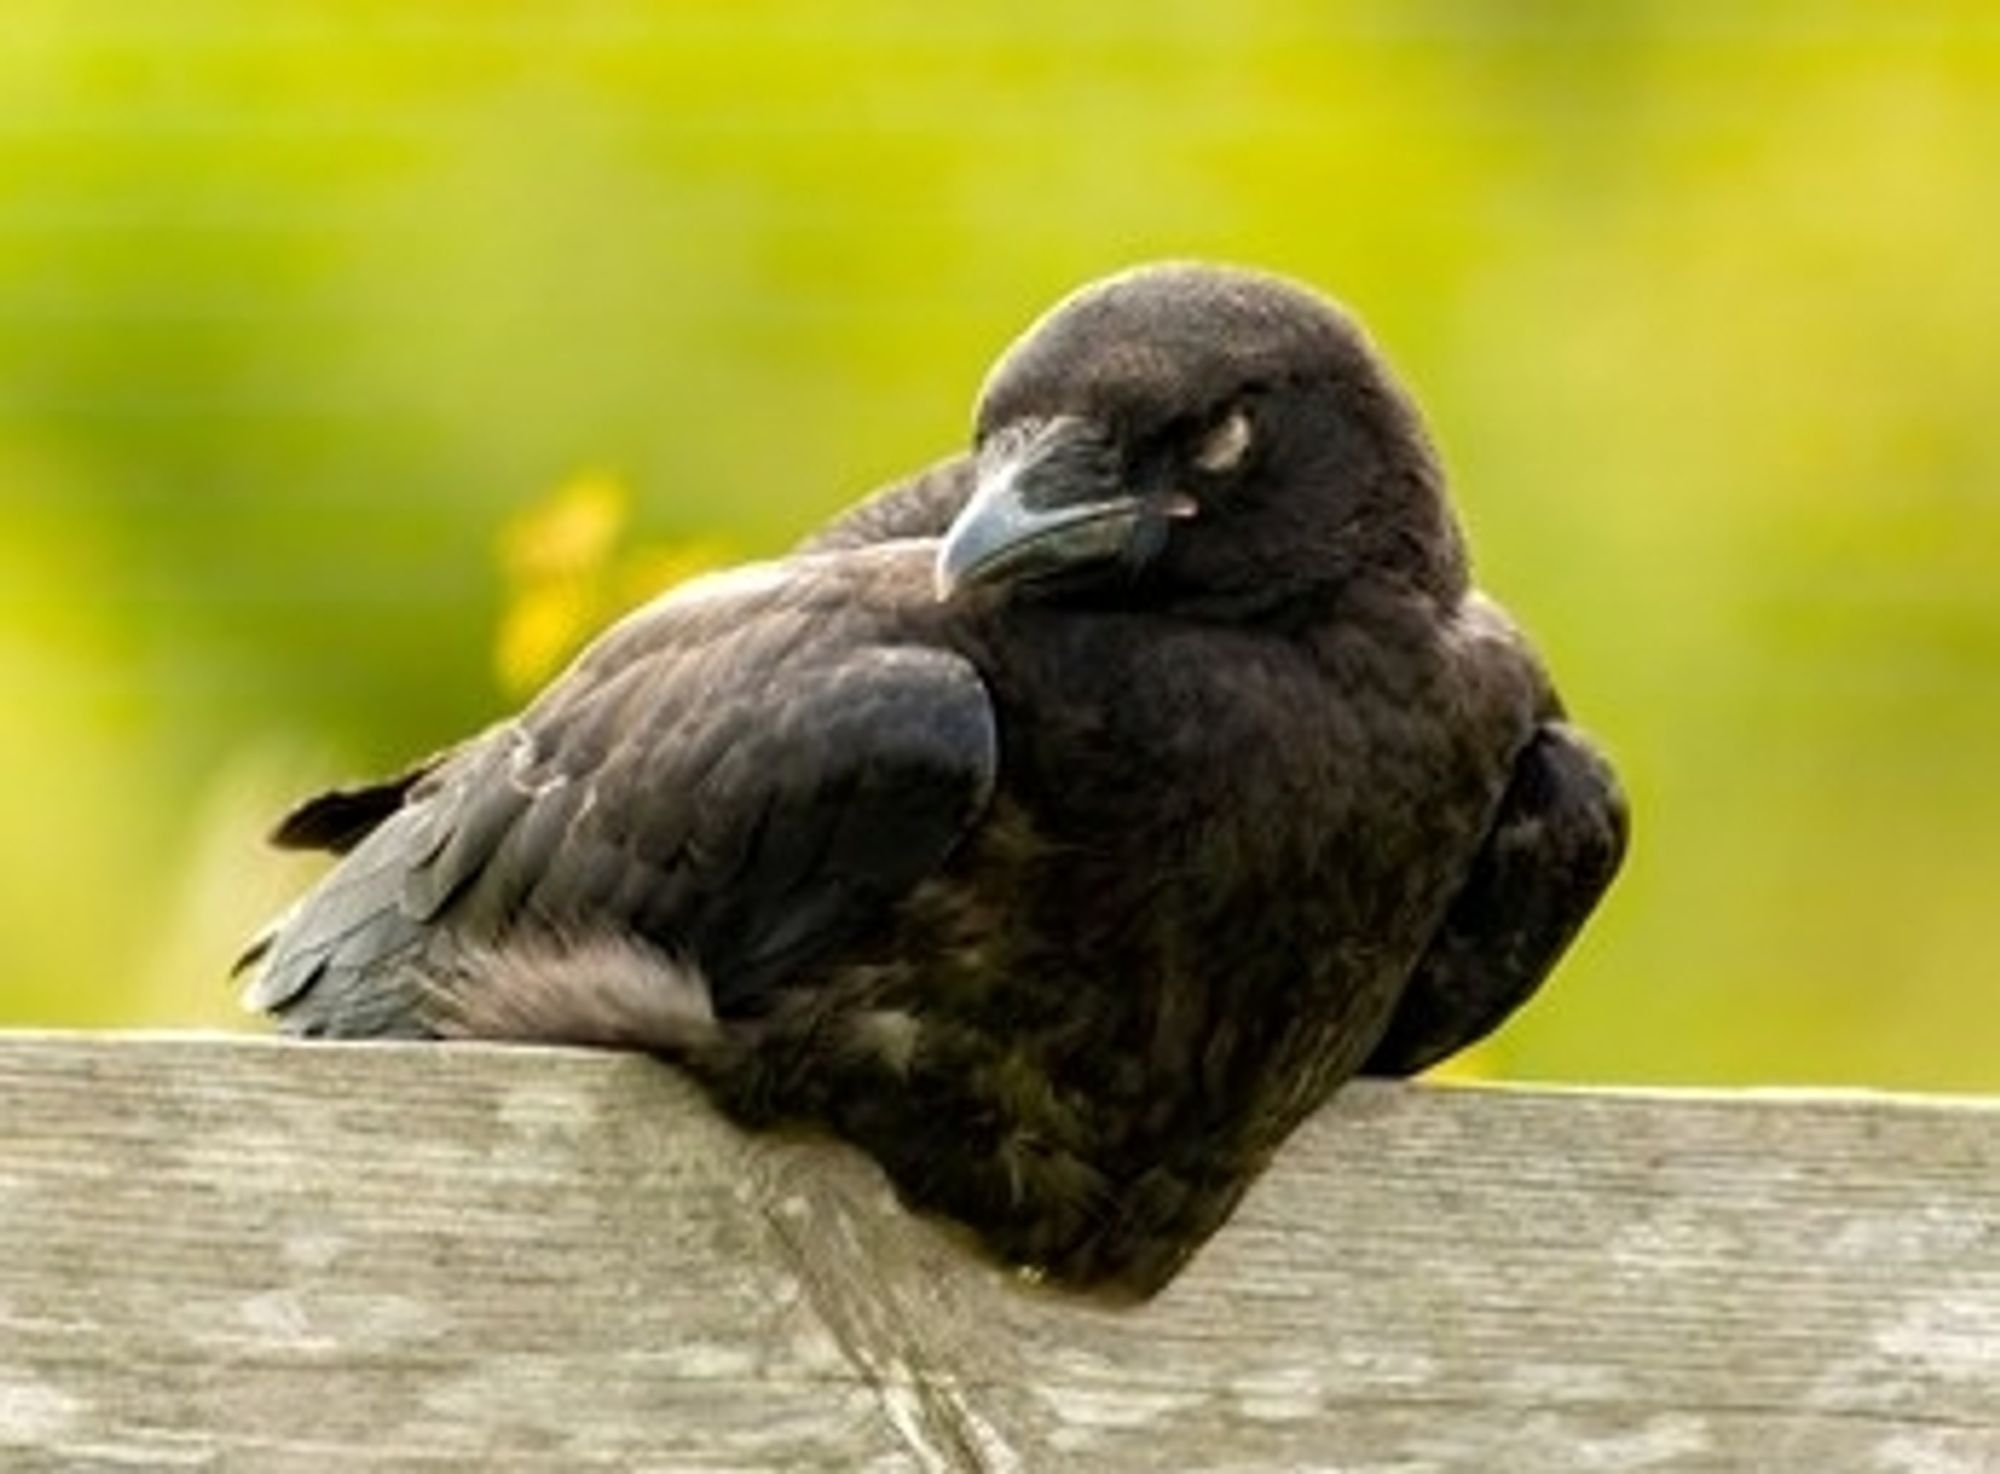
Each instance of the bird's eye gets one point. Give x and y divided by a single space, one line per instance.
1223 447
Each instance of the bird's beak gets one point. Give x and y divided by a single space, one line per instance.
1047 499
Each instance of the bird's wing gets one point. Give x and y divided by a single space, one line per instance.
922 505
739 776
1554 846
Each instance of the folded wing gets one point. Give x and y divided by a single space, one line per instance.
1554 847
740 777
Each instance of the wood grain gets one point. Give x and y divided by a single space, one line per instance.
243 1254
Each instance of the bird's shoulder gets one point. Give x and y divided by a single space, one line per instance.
1499 680
920 505
824 599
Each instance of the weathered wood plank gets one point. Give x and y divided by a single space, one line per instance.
243 1254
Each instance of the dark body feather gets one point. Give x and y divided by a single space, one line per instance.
1067 895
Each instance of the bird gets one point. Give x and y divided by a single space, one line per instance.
1061 825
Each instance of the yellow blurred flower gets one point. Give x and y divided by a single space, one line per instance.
567 575
570 532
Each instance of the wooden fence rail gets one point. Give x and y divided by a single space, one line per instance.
241 1254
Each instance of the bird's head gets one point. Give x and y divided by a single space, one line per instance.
1205 437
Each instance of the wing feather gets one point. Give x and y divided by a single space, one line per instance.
1554 847
741 777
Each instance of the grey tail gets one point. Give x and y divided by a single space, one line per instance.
613 992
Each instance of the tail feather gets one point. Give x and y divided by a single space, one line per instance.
350 926
341 818
609 991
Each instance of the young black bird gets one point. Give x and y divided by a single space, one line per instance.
1060 826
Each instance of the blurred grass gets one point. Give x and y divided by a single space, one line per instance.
302 306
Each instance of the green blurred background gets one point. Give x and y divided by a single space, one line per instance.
354 357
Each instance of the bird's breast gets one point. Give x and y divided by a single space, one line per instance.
1245 805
